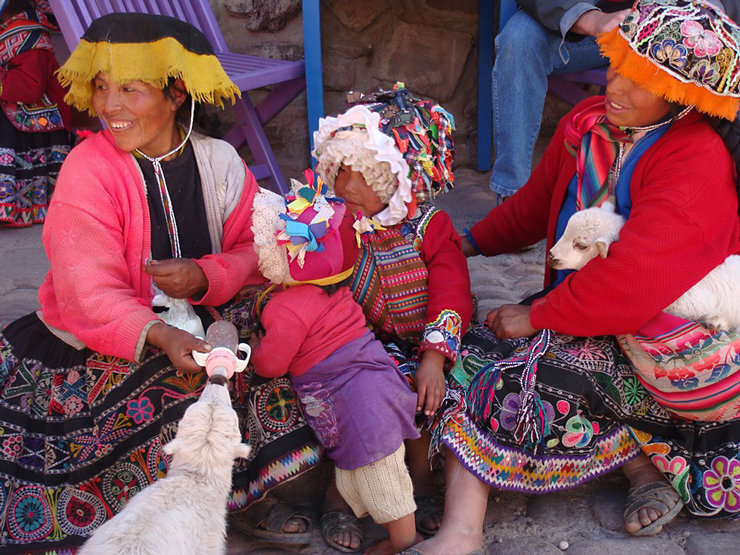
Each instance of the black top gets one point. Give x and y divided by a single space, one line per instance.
186 194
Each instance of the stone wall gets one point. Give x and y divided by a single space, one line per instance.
431 45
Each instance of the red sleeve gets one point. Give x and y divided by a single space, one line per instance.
27 75
285 332
523 219
683 223
449 281
236 266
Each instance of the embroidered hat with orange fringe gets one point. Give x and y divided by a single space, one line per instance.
149 48
685 51
306 237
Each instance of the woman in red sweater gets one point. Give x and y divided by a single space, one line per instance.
548 397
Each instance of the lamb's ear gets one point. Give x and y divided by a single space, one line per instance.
602 246
172 447
242 451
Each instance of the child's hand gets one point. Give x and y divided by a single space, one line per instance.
255 338
430 382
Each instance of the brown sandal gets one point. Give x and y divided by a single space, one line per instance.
657 495
335 522
265 521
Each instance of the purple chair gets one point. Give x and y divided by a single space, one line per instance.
247 72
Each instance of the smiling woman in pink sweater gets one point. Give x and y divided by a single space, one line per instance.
92 384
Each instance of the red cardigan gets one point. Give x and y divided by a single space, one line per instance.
683 223
97 239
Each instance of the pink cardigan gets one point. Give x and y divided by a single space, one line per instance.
97 239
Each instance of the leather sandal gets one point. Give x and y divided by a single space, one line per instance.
336 522
657 495
265 521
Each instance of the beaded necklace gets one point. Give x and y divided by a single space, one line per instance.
164 194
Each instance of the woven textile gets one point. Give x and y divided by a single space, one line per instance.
390 283
691 370
599 416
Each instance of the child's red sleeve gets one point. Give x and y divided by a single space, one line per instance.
26 76
284 334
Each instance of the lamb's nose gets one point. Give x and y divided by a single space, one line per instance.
551 259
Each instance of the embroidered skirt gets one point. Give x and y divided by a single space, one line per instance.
81 433
593 415
29 165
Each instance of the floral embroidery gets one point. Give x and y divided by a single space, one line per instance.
633 390
669 51
674 466
703 41
722 484
705 72
579 431
141 410
510 408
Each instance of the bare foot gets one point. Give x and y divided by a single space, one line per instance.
442 544
385 547
640 472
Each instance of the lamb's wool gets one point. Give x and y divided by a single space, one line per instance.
191 498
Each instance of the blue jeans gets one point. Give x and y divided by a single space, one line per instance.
526 53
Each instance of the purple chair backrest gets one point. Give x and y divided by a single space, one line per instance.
75 16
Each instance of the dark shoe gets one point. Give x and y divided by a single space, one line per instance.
428 506
334 523
266 520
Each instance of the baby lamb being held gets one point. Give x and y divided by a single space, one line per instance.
714 301
185 512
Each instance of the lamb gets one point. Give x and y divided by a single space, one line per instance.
714 301
185 512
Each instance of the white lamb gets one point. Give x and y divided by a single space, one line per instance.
714 301
185 512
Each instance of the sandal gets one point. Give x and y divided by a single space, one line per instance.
266 520
428 506
416 551
336 522
654 495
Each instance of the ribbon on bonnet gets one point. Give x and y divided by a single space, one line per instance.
305 237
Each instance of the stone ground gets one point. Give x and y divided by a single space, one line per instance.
588 518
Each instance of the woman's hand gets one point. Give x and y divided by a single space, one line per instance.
430 382
178 345
510 321
179 278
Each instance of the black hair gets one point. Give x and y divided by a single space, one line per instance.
334 287
204 121
17 6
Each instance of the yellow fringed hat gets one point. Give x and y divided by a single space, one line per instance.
148 48
686 51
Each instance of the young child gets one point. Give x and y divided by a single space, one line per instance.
388 157
354 397
33 137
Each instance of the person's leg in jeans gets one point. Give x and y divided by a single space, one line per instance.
526 53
